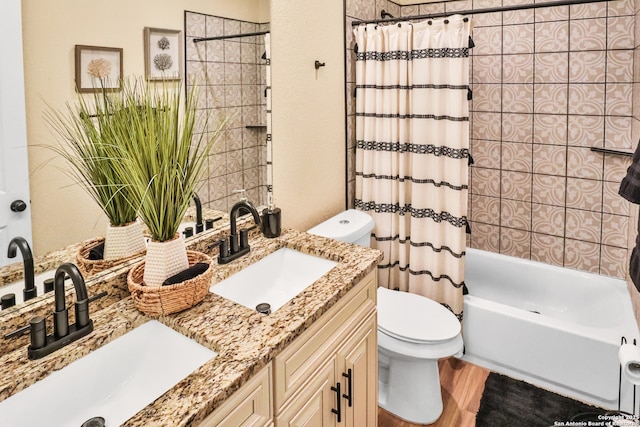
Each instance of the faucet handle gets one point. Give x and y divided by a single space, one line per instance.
243 194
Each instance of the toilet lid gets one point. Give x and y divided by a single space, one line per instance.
414 318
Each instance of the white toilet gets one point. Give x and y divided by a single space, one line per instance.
413 333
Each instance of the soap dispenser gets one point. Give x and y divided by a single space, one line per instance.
271 220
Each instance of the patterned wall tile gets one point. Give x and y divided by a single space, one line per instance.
557 13
547 249
488 40
588 34
618 34
552 36
619 97
621 7
583 225
486 125
581 255
549 189
550 98
587 67
517 127
586 99
485 237
615 167
457 5
550 129
517 98
487 97
515 185
486 182
585 194
516 156
618 132
612 202
586 131
515 214
589 10
613 261
515 242
546 219
195 25
409 10
552 67
549 159
517 39
486 69
615 230
583 163
215 26
517 68
485 209
486 154
619 66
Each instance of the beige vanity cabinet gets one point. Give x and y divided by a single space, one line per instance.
331 368
250 406
328 375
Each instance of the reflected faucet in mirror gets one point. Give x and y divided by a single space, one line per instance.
20 243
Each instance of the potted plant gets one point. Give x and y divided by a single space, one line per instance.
90 145
162 161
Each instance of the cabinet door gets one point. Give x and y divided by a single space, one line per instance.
357 362
250 406
312 406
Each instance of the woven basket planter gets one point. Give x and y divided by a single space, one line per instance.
163 300
89 267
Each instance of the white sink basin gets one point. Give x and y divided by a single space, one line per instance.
275 279
114 382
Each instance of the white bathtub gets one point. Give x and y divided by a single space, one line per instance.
554 327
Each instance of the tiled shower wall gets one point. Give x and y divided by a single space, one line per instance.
232 74
548 84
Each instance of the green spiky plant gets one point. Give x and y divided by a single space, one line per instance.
90 147
162 157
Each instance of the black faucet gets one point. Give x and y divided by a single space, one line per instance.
199 224
63 334
16 243
237 247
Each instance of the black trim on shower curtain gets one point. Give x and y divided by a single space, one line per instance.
479 11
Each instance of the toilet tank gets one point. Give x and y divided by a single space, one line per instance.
350 226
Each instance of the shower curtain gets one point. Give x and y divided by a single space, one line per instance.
412 139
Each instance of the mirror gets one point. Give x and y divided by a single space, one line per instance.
61 212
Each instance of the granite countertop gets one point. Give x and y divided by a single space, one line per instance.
245 340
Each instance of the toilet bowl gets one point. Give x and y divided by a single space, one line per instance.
413 333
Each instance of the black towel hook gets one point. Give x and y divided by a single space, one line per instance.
319 64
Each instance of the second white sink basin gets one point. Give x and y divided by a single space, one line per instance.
275 279
113 382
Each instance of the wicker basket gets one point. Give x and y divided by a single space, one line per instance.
162 300
89 267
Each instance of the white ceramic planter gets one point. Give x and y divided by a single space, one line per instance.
123 241
163 260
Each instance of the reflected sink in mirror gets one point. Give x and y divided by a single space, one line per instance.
113 382
275 279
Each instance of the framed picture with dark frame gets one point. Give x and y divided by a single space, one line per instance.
98 68
162 54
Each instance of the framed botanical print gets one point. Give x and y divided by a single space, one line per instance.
162 54
98 68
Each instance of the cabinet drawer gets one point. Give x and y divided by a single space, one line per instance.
294 366
249 406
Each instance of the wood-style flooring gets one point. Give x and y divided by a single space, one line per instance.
462 386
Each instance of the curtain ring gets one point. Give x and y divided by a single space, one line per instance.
429 22
446 21
399 25
465 19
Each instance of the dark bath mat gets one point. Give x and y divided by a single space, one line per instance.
507 402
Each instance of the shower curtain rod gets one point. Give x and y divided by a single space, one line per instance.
204 39
479 11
